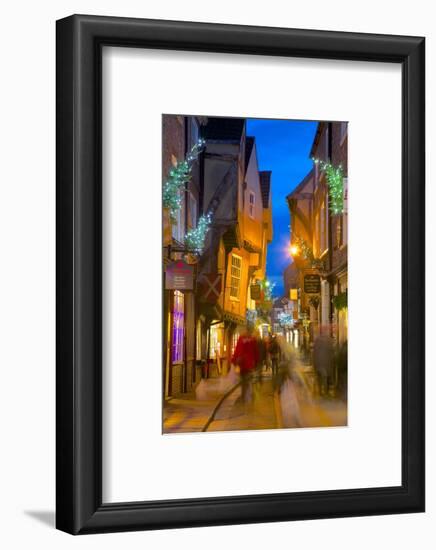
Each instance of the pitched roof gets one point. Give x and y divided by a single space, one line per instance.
265 186
223 129
249 144
300 187
317 137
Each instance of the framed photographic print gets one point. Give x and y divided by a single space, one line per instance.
240 274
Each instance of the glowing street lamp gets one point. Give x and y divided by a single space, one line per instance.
294 250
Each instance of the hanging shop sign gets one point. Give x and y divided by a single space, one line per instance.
293 293
179 276
312 284
255 292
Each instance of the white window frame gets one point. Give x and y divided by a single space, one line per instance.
235 294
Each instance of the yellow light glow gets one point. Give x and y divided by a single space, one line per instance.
294 250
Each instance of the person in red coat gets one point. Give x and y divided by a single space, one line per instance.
246 357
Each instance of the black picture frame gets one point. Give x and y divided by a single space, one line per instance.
79 507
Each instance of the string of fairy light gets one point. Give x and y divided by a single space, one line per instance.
175 183
267 287
177 178
195 238
301 248
335 182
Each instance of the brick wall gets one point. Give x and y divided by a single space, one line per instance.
173 140
321 151
339 157
339 147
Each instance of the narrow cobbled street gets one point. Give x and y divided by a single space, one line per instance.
255 264
216 405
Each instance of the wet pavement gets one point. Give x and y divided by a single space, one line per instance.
216 405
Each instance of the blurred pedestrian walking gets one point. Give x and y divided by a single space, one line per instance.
274 353
246 357
323 357
261 345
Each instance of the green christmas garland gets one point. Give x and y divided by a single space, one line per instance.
335 183
307 252
267 286
177 178
195 238
172 199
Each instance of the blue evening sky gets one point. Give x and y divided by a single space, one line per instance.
283 146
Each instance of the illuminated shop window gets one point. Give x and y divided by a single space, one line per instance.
215 341
178 326
235 337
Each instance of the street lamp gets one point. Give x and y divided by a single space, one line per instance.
294 250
